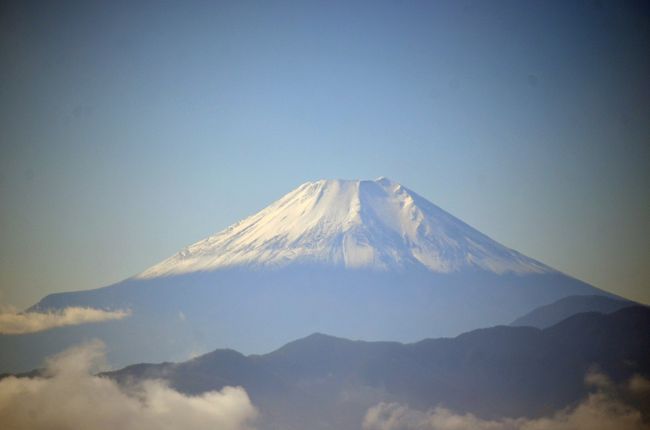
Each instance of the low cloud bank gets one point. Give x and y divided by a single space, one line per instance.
609 408
71 397
12 322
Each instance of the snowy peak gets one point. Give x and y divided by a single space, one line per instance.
377 224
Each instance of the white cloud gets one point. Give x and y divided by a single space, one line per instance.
392 416
12 322
602 410
71 398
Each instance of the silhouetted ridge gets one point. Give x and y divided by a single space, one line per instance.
493 372
551 314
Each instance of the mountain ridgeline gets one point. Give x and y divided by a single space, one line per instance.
324 382
551 314
368 260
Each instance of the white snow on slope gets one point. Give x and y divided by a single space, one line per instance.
349 223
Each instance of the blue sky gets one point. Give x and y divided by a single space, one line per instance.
129 130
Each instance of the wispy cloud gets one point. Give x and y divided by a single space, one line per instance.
13 322
71 397
605 409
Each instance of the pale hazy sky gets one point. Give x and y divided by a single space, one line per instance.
131 129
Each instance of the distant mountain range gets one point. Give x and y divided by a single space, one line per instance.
324 382
368 260
551 314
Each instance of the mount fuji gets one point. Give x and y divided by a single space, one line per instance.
378 225
368 260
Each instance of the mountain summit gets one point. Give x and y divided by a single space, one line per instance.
365 260
377 224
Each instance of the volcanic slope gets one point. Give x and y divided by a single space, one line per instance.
368 260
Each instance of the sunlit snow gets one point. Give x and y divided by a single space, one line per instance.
356 224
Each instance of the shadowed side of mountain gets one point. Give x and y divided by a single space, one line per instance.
551 314
618 342
493 372
255 311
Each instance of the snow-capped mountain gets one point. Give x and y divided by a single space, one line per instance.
365 260
354 224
